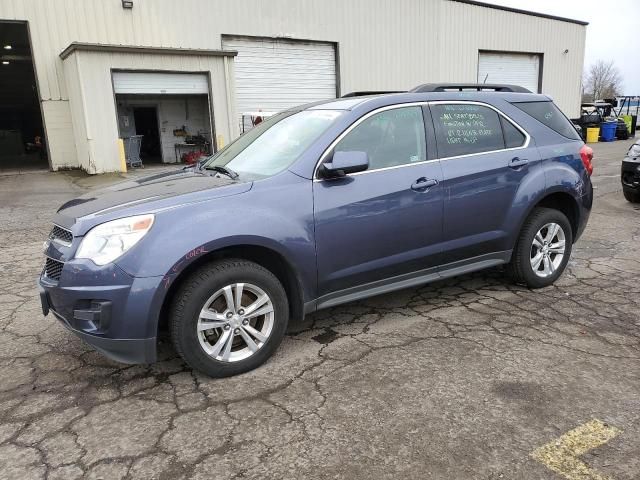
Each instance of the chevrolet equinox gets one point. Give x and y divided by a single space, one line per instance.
317 206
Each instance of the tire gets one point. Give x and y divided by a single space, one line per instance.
526 252
204 292
633 197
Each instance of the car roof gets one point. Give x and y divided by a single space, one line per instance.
375 101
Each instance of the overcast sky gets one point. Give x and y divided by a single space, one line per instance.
613 32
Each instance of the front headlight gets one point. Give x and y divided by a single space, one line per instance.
108 241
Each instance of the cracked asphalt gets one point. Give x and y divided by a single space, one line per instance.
460 379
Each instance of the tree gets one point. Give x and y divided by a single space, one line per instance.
602 80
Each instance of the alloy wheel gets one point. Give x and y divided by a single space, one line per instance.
547 250
235 322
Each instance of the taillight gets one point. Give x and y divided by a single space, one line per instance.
586 154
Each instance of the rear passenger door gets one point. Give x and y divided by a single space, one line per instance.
484 160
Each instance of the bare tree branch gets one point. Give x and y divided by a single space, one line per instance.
602 80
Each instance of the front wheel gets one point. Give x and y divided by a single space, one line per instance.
542 250
229 317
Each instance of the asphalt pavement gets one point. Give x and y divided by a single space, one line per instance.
470 378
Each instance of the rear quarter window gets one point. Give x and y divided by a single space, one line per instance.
548 114
513 138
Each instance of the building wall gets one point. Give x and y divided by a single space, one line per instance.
383 44
93 105
490 29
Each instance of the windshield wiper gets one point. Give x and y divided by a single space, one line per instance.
224 170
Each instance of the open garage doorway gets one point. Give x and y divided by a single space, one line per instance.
22 138
169 111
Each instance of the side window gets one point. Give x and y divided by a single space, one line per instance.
390 138
550 115
463 129
513 137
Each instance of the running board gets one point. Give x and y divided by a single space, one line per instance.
409 280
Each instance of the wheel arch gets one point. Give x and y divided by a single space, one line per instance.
266 257
558 200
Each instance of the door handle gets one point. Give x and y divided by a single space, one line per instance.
518 162
423 184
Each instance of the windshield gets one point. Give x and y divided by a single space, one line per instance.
274 144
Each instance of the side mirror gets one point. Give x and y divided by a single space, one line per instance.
344 163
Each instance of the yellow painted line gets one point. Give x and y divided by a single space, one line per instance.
561 455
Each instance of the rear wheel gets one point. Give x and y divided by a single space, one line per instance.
633 197
542 250
229 317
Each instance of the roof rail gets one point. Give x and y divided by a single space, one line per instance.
371 92
461 87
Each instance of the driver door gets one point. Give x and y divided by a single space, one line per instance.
385 222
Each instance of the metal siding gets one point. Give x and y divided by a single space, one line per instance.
497 30
60 133
383 44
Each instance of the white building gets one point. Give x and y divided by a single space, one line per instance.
83 73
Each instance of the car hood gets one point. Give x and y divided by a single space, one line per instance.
147 195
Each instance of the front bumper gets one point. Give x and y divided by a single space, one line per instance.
108 309
129 350
630 175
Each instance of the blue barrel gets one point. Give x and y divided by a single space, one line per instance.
608 131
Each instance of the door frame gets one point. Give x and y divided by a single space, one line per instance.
212 123
429 138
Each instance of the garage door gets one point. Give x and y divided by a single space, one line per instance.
273 75
160 83
512 68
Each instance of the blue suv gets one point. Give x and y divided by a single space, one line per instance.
317 206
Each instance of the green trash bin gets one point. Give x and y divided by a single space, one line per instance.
628 122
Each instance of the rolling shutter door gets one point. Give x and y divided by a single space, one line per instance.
512 68
159 83
273 75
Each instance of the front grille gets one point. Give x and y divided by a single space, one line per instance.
53 269
61 235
